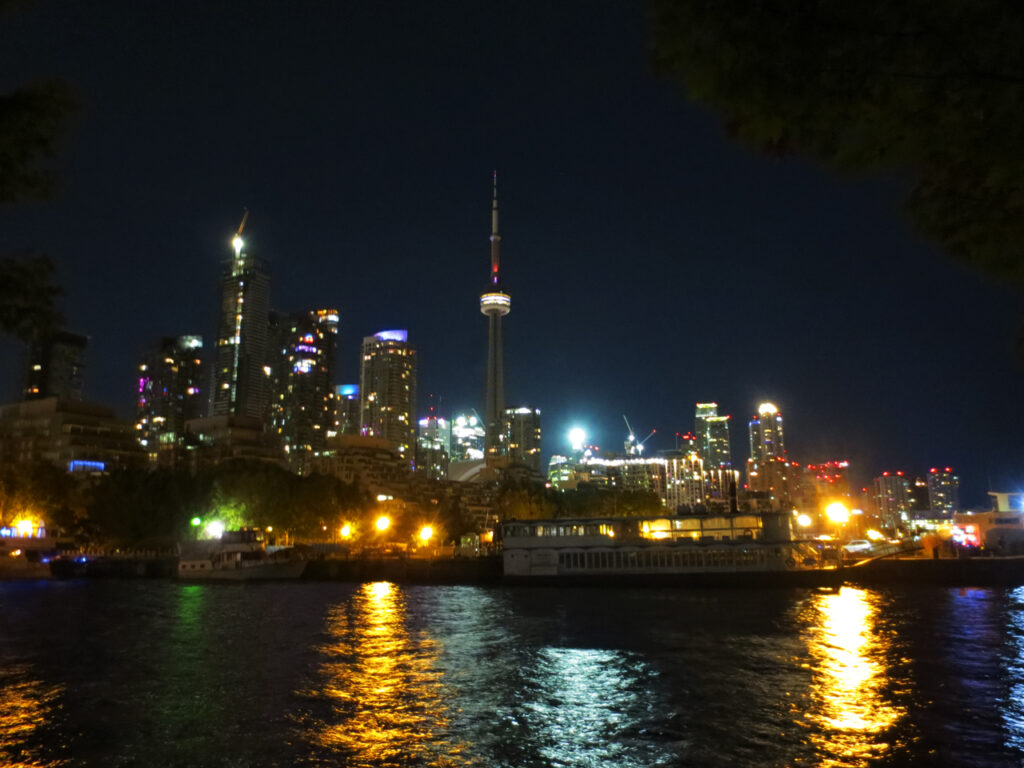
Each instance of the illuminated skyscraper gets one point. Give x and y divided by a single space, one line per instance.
241 376
766 440
54 366
522 431
712 433
495 304
700 426
303 410
387 387
433 447
168 396
467 437
718 451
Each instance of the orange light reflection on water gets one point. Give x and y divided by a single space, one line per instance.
850 714
388 697
25 704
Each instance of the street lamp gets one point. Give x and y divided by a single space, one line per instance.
837 513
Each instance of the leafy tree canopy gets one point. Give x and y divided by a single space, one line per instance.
28 293
32 118
932 89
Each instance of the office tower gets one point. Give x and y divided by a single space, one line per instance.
241 374
522 436
766 440
717 442
387 387
891 497
54 367
303 363
168 396
700 426
944 491
433 447
712 436
467 437
495 304
346 405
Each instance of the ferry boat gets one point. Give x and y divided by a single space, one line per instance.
711 550
241 556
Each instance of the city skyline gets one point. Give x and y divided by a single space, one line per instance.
640 243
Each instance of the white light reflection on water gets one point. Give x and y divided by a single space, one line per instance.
583 707
850 715
1013 709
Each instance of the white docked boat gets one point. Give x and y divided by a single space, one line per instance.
240 556
730 549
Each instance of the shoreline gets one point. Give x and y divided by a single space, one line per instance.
487 570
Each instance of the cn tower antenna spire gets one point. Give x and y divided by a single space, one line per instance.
495 237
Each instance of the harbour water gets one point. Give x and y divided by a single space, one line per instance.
158 673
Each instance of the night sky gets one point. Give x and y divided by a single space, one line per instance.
652 263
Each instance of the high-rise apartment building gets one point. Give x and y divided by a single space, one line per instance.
522 436
944 491
241 374
168 396
766 438
346 409
387 388
303 364
54 366
892 498
684 480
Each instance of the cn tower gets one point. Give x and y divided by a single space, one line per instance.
494 303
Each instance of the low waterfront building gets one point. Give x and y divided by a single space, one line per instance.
74 435
214 439
372 462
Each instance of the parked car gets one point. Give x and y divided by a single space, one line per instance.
857 547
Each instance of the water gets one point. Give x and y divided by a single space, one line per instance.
144 673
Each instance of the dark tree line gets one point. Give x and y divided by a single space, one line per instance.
933 91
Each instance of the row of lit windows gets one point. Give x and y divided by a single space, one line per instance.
694 558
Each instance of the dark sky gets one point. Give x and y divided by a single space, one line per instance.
651 262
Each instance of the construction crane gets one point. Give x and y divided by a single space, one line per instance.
633 446
236 241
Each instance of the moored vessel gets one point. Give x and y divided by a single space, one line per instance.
239 556
753 549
